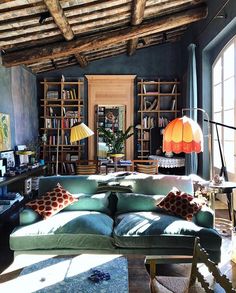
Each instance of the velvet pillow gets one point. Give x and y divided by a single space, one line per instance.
134 202
52 202
90 202
180 204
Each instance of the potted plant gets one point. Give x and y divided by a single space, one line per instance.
115 141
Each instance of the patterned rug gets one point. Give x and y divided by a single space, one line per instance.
71 274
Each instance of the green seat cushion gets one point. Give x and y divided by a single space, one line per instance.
150 229
74 229
90 202
134 202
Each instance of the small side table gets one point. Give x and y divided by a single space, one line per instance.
226 187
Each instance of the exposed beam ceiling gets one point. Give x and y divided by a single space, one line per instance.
51 34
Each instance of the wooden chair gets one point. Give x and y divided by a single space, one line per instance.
189 284
87 167
145 166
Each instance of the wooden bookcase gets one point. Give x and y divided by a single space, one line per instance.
157 106
62 106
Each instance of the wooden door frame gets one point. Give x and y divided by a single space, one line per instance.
110 90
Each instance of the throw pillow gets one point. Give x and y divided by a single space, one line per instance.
134 202
52 202
180 204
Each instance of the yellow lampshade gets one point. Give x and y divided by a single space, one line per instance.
80 131
183 135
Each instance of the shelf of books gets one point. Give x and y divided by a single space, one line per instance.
61 107
157 106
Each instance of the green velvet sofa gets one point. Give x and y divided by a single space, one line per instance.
115 214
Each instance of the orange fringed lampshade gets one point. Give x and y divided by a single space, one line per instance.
183 135
80 131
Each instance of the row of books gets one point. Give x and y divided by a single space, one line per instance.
163 121
153 89
69 122
66 94
52 123
148 122
69 94
68 168
70 157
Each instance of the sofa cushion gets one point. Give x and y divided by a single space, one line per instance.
179 204
90 202
133 202
28 216
74 229
157 230
52 202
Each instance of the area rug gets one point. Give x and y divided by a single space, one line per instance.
71 274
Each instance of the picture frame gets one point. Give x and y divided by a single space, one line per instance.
10 157
5 132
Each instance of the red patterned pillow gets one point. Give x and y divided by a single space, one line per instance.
180 204
52 202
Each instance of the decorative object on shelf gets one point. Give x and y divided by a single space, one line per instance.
115 140
169 154
217 179
185 135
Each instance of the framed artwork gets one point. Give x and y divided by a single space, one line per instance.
9 156
5 132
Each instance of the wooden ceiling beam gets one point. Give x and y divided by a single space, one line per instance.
137 15
82 60
105 39
61 21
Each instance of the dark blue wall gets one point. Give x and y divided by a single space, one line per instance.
18 97
210 36
163 60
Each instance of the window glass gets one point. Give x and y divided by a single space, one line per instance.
223 108
217 72
228 67
229 93
217 97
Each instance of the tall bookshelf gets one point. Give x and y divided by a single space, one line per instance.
62 106
157 106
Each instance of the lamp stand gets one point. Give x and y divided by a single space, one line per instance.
208 135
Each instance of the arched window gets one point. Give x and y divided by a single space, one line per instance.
224 107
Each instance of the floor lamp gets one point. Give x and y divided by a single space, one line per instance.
78 132
185 135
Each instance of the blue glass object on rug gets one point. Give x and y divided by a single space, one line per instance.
73 274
